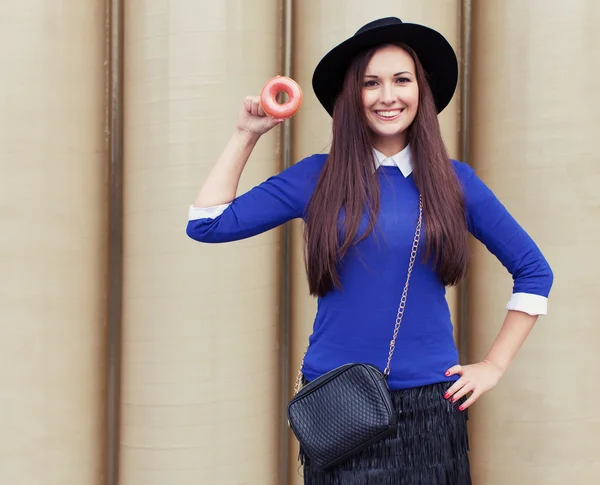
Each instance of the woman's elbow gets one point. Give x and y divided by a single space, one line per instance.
541 276
535 277
548 275
212 232
198 232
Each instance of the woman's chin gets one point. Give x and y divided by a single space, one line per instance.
389 135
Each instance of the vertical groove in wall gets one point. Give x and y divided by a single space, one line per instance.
465 56
115 239
285 289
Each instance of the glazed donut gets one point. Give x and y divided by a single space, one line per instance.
268 97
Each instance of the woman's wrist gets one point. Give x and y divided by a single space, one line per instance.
246 137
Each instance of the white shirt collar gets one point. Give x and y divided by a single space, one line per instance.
403 160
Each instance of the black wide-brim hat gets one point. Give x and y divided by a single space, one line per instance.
434 52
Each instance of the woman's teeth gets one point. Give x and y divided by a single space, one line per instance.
388 114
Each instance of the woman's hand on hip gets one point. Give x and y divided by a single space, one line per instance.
476 378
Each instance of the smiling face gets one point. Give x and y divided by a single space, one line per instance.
390 96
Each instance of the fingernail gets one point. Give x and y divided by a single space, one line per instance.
447 395
461 408
447 372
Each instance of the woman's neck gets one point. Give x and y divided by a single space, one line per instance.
390 145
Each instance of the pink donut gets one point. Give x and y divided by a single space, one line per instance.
268 97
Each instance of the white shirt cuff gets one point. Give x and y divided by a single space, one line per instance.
528 303
196 213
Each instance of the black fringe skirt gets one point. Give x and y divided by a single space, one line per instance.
430 448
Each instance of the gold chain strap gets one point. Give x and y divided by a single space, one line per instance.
400 315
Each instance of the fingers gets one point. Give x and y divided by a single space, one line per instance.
455 369
469 401
458 385
276 121
255 106
475 378
460 389
252 106
254 119
248 103
468 387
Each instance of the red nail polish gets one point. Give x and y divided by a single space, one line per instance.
461 408
447 395
447 373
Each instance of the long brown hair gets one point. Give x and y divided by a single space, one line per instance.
348 185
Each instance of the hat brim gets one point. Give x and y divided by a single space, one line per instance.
435 54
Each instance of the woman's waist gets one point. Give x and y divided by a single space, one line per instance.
376 319
409 366
351 335
352 342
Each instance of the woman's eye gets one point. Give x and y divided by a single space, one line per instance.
369 84
402 80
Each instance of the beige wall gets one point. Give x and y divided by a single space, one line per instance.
534 142
53 242
200 361
200 358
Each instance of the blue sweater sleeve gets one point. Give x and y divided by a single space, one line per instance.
275 201
491 223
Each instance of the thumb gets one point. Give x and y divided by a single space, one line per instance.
275 121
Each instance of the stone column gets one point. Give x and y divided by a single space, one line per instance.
53 247
200 363
534 142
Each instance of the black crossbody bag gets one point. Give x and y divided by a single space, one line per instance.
349 408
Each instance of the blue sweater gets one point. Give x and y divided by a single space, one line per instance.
355 324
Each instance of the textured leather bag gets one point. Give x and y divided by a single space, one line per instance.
349 408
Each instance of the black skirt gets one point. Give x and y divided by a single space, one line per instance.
430 448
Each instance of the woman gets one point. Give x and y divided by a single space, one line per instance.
384 88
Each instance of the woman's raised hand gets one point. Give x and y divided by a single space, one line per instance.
253 120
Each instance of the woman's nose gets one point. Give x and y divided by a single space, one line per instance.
387 94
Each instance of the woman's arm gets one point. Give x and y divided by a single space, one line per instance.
491 223
516 328
219 215
483 376
220 187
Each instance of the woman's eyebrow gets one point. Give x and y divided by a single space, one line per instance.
397 74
